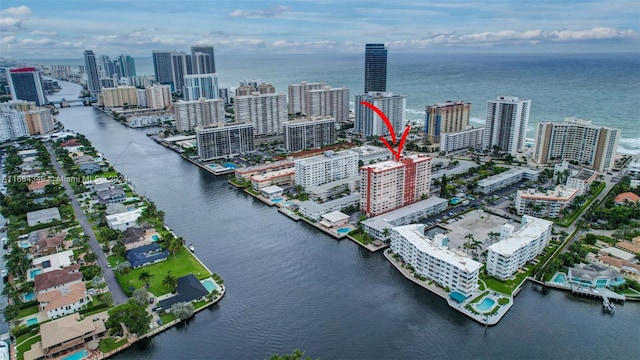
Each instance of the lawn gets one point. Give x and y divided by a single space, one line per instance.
26 346
359 237
110 344
183 264
167 317
567 221
106 175
28 311
114 260
505 287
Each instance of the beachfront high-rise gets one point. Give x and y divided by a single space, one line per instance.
222 140
91 68
309 132
202 112
506 124
26 84
180 67
576 140
126 66
375 68
446 117
298 95
267 112
390 185
369 123
198 86
108 66
203 60
119 96
328 101
162 66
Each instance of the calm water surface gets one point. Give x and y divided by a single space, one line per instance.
289 286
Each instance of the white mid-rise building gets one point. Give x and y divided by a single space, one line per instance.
369 154
634 170
323 169
200 86
13 125
202 112
502 180
158 96
432 259
516 249
389 185
224 140
267 112
309 132
549 203
506 124
369 123
461 140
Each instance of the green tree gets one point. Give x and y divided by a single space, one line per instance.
140 296
10 312
145 277
170 281
182 310
590 239
135 317
386 231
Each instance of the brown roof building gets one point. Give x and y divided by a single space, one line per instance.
58 278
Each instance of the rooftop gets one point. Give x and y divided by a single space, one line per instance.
68 328
560 192
189 289
335 216
530 231
593 271
63 296
327 156
306 119
273 174
620 254
383 221
506 175
584 174
631 197
57 277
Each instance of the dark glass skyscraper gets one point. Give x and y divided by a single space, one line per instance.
162 66
203 64
375 68
93 81
26 84
126 66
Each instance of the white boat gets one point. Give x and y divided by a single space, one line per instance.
3 273
3 241
4 351
193 249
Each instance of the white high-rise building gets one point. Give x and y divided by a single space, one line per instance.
298 96
328 101
461 140
506 124
516 249
389 185
312 132
158 96
200 86
267 112
203 112
13 125
224 140
576 140
323 169
369 123
432 259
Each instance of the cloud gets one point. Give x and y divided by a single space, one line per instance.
19 11
9 24
44 33
262 13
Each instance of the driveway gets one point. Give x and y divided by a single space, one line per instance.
118 295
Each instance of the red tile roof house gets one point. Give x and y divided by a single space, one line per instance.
627 198
37 187
58 278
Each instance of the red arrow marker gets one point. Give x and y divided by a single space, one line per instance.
385 119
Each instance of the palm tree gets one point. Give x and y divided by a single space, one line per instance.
145 277
469 238
493 236
170 281
174 246
385 232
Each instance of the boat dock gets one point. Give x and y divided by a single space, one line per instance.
599 293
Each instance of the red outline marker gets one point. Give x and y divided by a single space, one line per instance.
385 119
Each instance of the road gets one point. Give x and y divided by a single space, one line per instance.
118 295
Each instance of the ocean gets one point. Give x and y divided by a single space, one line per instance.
603 88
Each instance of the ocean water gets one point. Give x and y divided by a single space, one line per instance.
603 88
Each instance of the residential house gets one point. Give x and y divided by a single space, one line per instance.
43 216
54 261
64 300
146 255
83 159
38 187
594 276
49 245
123 221
58 278
111 196
90 168
627 198
135 237
64 335
189 289
115 208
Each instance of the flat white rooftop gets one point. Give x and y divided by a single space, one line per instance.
529 232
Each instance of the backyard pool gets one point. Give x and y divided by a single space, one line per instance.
343 230
155 238
485 305
276 200
34 272
29 296
77 356
560 278
25 244
32 321
209 285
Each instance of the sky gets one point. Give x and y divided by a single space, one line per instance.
46 29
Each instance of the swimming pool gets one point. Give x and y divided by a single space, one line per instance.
32 321
77 356
34 272
455 201
29 296
288 203
155 238
343 230
213 166
209 285
560 278
25 244
276 200
131 208
485 305
230 165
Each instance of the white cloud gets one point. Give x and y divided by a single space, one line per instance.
44 33
19 11
9 24
264 13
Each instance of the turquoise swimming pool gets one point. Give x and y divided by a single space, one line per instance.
276 200
32 321
230 165
560 278
29 296
455 201
213 166
34 272
77 356
155 238
343 230
25 244
209 285
485 305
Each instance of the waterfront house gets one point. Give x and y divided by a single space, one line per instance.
55 279
54 261
63 301
272 192
594 276
334 219
123 221
49 245
115 208
111 196
135 237
83 159
43 216
189 289
90 168
64 335
146 255
38 187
